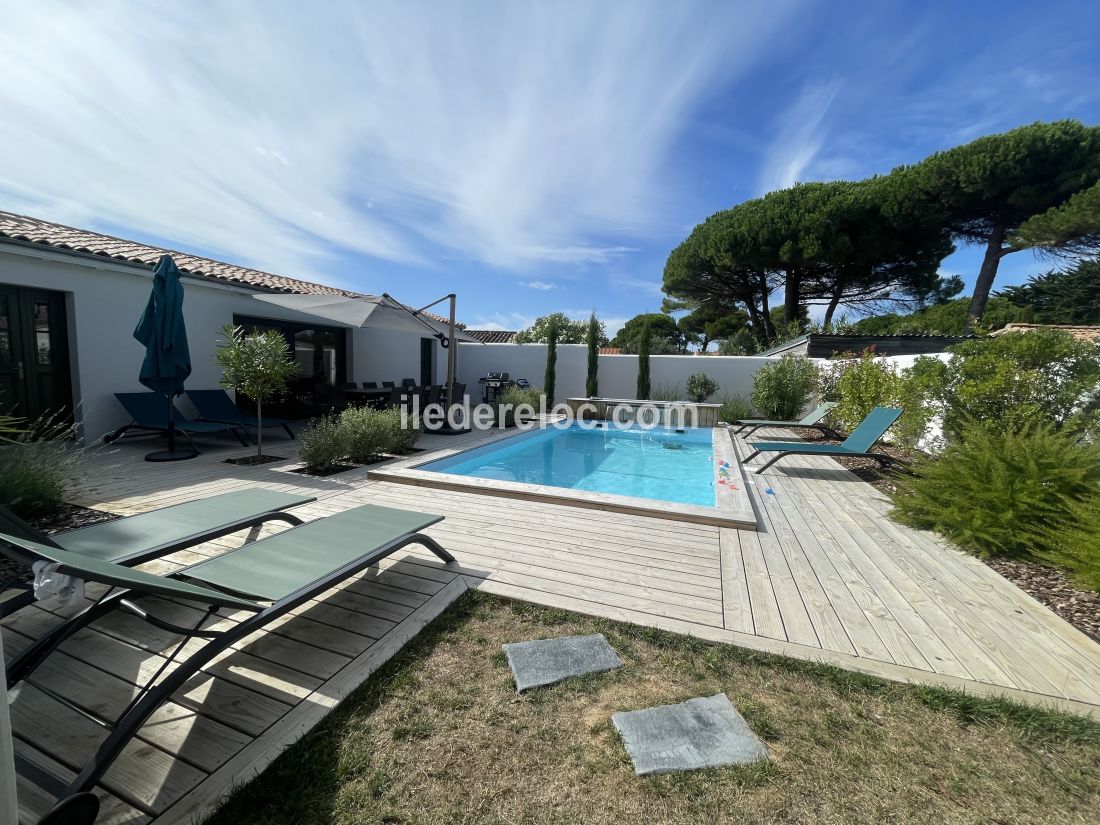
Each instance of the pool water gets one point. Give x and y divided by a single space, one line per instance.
660 464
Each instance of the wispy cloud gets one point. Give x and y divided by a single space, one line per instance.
278 133
543 285
502 320
800 136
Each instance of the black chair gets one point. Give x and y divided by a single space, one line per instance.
329 398
387 385
396 397
430 395
458 391
370 385
349 385
522 383
407 382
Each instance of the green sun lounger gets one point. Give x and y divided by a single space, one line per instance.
747 426
217 406
135 539
267 579
859 443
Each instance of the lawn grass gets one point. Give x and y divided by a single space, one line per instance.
438 735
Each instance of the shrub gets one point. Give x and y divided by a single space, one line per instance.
38 467
513 397
859 385
364 433
322 444
734 408
782 389
920 395
1004 492
700 387
397 439
864 384
1017 380
1075 545
666 392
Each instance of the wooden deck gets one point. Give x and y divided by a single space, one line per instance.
825 577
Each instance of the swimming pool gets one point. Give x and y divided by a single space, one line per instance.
659 464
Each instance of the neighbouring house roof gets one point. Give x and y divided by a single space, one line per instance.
81 242
494 336
819 345
610 351
1091 334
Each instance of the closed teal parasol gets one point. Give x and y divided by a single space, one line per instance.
167 360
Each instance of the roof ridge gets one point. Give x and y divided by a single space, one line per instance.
54 235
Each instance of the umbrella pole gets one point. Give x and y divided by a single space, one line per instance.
171 427
171 454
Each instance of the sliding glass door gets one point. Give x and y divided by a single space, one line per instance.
321 355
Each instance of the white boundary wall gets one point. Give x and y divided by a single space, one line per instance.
618 374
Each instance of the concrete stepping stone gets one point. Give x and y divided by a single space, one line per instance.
698 733
549 661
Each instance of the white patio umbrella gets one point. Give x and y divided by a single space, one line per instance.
381 311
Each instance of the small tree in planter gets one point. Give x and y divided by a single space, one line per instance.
700 387
257 365
593 334
645 340
550 376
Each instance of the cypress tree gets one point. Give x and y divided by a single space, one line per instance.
643 362
592 384
550 377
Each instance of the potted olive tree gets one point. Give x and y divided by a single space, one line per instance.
258 366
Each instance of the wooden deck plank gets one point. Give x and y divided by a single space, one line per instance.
736 605
827 578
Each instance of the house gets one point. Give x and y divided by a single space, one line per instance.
70 299
819 345
1090 334
494 336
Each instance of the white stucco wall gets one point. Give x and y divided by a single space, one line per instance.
105 300
618 374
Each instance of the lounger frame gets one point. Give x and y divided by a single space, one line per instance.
882 459
155 693
14 603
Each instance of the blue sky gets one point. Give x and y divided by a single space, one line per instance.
531 156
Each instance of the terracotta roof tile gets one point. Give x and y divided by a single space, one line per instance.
493 336
68 238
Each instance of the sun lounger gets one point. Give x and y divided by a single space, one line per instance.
266 579
217 406
135 539
149 413
859 443
747 426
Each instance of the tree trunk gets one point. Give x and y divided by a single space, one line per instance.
259 427
994 251
826 323
791 296
766 312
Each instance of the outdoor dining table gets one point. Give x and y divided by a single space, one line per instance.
380 395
